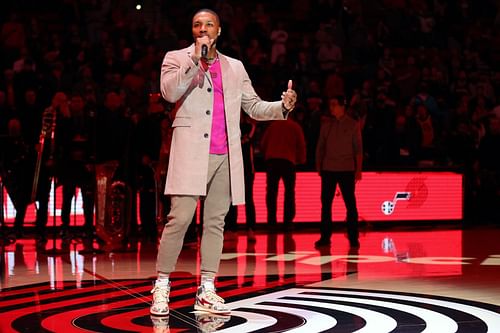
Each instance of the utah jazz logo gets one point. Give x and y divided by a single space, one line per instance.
388 207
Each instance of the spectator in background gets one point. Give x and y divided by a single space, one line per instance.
379 130
357 108
255 56
387 61
26 78
480 105
95 13
84 80
58 79
134 84
30 113
459 86
408 137
7 85
385 128
334 84
284 147
304 69
383 33
423 97
329 55
339 159
426 124
13 37
262 17
280 77
279 36
18 162
77 164
487 90
427 22
407 78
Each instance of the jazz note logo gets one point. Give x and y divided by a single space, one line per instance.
389 206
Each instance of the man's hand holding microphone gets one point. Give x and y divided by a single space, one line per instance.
201 46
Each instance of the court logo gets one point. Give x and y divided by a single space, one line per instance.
388 206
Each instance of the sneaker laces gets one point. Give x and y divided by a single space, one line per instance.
211 295
160 293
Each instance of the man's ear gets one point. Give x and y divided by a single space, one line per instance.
218 34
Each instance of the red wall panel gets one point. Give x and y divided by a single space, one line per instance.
425 195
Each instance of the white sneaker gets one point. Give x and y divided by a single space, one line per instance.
161 293
207 300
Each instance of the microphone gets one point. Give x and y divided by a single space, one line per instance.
204 51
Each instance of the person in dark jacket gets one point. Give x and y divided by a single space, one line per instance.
339 157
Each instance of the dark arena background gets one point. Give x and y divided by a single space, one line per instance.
81 184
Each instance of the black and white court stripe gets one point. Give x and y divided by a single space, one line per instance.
122 306
340 310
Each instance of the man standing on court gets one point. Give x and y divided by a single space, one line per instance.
209 90
284 147
339 159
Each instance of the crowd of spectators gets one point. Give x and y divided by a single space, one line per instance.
422 76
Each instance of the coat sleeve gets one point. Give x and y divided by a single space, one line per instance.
177 73
254 106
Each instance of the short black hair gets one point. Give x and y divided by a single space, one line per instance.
208 10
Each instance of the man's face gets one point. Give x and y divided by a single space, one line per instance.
336 108
205 24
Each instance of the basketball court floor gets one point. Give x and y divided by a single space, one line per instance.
420 279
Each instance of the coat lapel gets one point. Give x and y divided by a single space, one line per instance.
227 77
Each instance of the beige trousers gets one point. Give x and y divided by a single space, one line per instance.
182 210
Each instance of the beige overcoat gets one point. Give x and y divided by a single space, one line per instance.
190 88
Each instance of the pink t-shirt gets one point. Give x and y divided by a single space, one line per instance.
218 141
